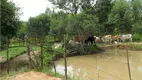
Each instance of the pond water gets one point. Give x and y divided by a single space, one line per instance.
108 65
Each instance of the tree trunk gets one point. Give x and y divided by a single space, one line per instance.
28 51
65 57
7 46
41 56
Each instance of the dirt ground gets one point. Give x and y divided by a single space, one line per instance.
25 56
32 75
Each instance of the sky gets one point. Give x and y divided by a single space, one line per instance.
31 8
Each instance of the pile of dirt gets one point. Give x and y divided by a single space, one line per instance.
32 75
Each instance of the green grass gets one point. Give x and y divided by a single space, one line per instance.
17 44
51 73
137 37
16 51
13 51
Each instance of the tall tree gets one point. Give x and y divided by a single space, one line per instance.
137 16
9 16
82 24
102 10
59 23
73 6
9 24
121 17
39 27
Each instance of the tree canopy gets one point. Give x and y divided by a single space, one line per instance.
9 15
39 26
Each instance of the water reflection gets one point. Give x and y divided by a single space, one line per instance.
110 65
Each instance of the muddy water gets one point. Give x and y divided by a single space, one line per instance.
109 65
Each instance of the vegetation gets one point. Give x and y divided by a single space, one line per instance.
16 51
76 17
10 20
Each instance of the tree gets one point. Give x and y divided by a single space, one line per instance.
73 6
9 20
137 16
82 24
9 24
121 17
59 22
21 32
102 10
48 11
39 27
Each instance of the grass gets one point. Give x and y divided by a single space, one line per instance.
13 51
135 47
22 44
137 37
51 73
16 51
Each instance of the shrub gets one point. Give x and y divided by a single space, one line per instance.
137 37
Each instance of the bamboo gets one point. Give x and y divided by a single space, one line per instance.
65 57
128 64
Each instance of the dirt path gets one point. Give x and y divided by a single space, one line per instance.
33 76
19 60
25 56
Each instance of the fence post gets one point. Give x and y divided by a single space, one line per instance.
128 64
28 51
65 57
97 67
7 46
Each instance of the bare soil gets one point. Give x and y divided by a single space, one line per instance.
32 75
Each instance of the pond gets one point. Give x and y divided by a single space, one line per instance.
108 65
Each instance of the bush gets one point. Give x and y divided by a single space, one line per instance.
137 37
90 48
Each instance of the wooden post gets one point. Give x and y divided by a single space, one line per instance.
0 50
128 64
28 51
97 68
7 46
54 66
41 55
65 57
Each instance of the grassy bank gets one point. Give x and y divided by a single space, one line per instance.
16 51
